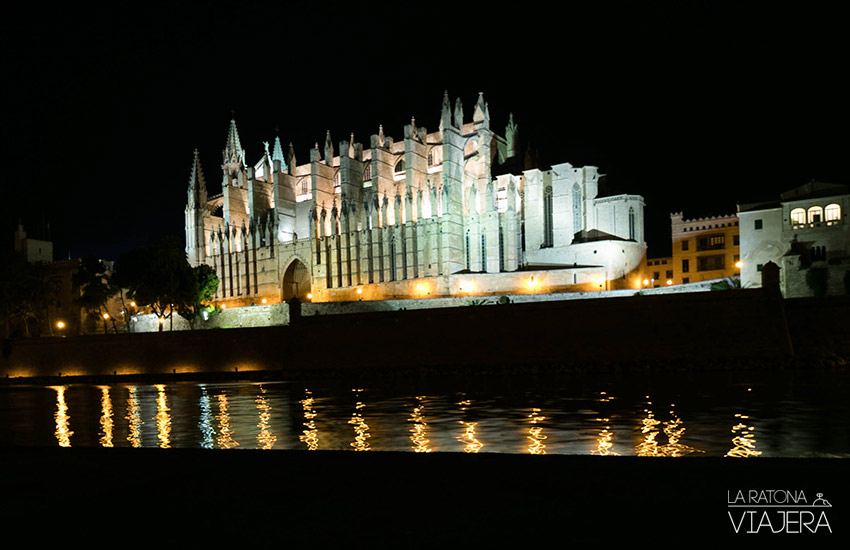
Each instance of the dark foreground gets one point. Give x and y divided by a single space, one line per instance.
152 497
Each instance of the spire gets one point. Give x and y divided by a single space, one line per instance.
197 184
481 114
445 112
329 149
291 158
458 113
351 152
381 138
277 153
233 155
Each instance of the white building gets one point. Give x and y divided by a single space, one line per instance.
421 216
805 233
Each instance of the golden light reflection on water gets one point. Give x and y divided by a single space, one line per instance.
468 437
604 441
106 422
163 419
744 441
419 430
225 434
361 429
63 432
265 439
535 433
134 419
310 435
673 429
205 422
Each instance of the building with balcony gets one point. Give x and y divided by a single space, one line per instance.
805 232
704 249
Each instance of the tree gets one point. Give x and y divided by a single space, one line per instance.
156 276
201 288
25 292
94 282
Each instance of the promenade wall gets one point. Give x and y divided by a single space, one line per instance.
716 329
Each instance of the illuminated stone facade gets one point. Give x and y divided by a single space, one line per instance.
805 233
422 216
704 248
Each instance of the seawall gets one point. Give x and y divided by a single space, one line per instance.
711 329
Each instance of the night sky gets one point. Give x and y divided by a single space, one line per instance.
693 105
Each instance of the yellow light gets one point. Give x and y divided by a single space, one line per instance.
669 281
739 265
264 300
223 306
106 316
646 282
309 295
133 304
466 286
420 288
532 282
359 291
161 320
60 324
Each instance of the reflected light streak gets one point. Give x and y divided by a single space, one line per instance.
603 442
419 430
468 437
163 419
265 439
361 429
535 433
649 446
106 422
225 439
310 436
134 419
205 422
63 431
744 442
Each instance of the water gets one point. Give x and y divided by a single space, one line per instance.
784 414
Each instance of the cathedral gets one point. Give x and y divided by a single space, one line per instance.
422 216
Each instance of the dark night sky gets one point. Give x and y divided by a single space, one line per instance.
693 105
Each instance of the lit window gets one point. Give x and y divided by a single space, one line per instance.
798 216
399 167
815 214
367 173
832 213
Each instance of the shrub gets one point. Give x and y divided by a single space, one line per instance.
816 280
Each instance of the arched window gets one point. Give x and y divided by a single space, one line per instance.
632 223
815 214
548 219
304 188
798 216
399 167
336 179
578 221
832 213
468 251
483 252
367 173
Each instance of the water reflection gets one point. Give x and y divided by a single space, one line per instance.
225 434
163 419
361 429
205 422
106 422
419 430
468 437
310 435
535 433
134 418
63 431
603 441
673 430
744 441
649 430
265 439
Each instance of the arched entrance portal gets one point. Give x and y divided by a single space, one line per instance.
296 281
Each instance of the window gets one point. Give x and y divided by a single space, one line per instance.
548 225
736 240
832 213
684 246
712 242
399 167
669 273
632 223
336 179
367 172
711 263
815 214
578 221
758 267
818 253
758 224
656 275
686 280
798 216
686 266
483 252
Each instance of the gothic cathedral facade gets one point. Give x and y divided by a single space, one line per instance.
414 218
